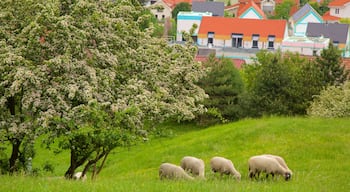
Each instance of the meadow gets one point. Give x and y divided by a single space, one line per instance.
316 150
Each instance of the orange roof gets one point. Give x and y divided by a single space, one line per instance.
224 27
338 3
328 17
243 9
232 6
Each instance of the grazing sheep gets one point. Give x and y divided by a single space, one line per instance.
280 161
171 171
269 165
77 176
224 166
193 165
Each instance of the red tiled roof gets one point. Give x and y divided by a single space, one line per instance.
232 6
346 63
224 27
237 62
328 17
338 3
244 8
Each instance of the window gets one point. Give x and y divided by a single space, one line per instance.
337 11
255 40
271 42
314 52
163 16
237 40
211 38
335 43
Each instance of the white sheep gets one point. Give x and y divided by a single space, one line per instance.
171 171
193 165
269 165
280 161
224 166
78 175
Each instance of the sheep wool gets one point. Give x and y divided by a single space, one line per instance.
78 175
224 166
193 165
269 165
171 171
280 161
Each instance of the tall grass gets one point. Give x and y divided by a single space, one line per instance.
316 150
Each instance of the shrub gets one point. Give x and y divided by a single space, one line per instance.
332 102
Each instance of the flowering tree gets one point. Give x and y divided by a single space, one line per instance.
88 73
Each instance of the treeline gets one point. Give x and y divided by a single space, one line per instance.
275 84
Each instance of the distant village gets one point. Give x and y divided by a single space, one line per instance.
248 29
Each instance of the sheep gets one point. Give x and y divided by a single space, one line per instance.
280 161
224 166
171 171
78 175
267 164
193 165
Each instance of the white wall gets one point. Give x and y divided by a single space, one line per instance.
300 27
185 25
344 12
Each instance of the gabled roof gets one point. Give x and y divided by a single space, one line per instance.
304 11
234 6
251 6
328 17
337 3
217 8
334 31
224 27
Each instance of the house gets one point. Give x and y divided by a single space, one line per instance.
185 21
232 10
242 33
268 6
216 8
251 11
162 9
300 19
339 34
337 9
310 46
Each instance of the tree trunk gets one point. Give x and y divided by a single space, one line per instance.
16 143
74 164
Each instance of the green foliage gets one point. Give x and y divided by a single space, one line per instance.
332 102
279 84
183 6
345 20
223 84
330 64
89 74
282 10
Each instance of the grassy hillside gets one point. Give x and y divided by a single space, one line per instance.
316 150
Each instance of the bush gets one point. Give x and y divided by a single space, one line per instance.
332 102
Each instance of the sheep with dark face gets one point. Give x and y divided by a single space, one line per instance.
193 165
171 171
224 166
280 161
267 164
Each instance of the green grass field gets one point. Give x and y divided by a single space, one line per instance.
316 150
